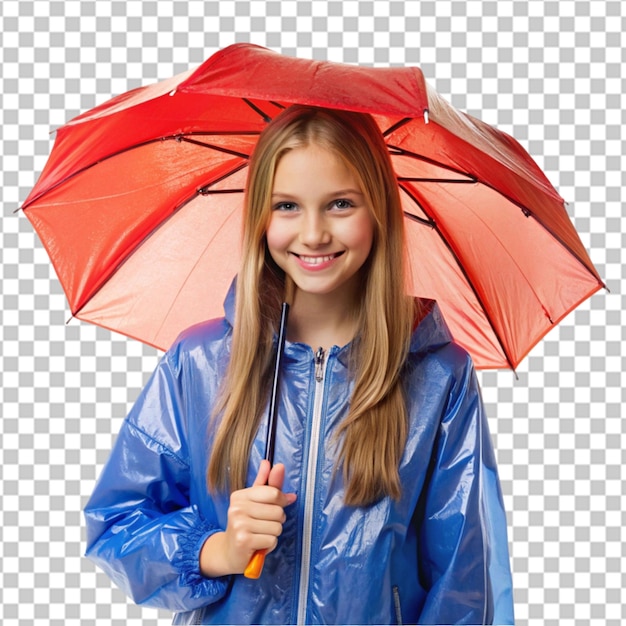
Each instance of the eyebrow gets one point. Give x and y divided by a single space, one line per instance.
339 192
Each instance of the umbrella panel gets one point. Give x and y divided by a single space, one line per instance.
117 205
178 276
459 143
501 269
112 129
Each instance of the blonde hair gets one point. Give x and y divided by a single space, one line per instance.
373 435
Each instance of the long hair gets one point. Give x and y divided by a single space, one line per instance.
373 434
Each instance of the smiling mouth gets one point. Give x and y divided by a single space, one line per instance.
317 260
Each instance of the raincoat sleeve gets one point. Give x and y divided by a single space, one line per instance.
141 528
463 534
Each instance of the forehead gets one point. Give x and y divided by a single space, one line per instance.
313 166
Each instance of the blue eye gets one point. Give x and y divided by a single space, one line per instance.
285 206
342 203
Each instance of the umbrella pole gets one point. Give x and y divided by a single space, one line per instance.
255 565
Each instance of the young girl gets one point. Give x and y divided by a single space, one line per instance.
384 504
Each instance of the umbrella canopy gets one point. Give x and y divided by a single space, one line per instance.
139 204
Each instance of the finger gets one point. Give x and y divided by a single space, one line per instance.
245 543
265 528
276 479
276 476
263 542
263 473
245 529
254 510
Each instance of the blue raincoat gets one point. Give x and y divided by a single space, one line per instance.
439 555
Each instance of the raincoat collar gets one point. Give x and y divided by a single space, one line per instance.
430 332
229 302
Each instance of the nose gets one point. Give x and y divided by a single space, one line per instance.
314 230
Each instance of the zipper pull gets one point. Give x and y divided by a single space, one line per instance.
319 365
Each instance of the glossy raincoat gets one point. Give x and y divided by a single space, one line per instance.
439 555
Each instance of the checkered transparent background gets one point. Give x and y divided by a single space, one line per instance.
548 72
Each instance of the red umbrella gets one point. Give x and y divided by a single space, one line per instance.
139 203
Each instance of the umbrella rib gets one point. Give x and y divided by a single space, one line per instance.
408 179
89 166
195 142
420 157
418 219
148 235
528 213
473 179
225 133
433 224
397 125
135 146
210 192
205 189
256 109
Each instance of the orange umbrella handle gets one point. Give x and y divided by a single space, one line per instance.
255 564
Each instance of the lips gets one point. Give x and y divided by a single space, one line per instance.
318 262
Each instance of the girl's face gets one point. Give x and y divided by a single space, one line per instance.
321 229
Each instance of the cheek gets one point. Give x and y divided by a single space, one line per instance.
276 237
361 236
367 240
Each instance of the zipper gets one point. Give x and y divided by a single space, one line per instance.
396 604
319 365
311 475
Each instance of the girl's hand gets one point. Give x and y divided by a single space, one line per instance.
255 521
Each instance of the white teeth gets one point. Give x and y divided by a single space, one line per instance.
316 260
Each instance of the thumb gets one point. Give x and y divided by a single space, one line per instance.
263 473
276 479
277 476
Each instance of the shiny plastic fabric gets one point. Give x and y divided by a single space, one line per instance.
438 555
